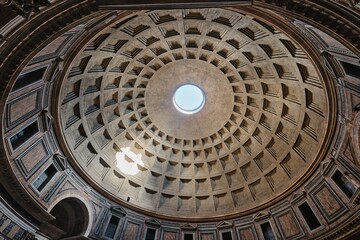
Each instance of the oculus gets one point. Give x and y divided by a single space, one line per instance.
189 99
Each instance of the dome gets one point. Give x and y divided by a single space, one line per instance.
179 121
258 133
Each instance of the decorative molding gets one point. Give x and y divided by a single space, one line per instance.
118 210
326 166
188 226
296 197
153 223
25 8
261 216
333 18
101 221
60 162
347 228
225 225
333 64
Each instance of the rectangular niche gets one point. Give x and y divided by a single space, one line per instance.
29 78
150 234
44 178
226 235
111 227
267 231
344 183
24 135
351 69
188 236
309 216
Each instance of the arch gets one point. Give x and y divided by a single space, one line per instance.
72 215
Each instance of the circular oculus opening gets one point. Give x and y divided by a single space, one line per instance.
189 99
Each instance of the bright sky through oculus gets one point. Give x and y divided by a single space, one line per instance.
189 99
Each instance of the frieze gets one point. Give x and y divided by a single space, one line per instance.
25 8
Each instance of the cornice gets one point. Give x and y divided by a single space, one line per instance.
325 15
346 229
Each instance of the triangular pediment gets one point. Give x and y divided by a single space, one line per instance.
189 226
261 215
297 197
118 210
224 225
152 222
325 166
60 161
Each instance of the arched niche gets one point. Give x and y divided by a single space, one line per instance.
71 218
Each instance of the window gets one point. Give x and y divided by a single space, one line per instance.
226 236
267 231
29 78
112 226
150 234
309 216
24 134
188 236
344 184
351 69
45 177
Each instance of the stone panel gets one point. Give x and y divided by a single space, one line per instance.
207 236
168 235
131 231
54 48
33 157
24 106
246 233
288 225
328 202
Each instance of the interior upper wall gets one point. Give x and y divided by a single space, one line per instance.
40 151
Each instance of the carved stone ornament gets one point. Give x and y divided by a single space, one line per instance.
118 210
225 225
60 162
25 7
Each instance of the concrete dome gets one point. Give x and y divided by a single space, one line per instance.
93 147
261 129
